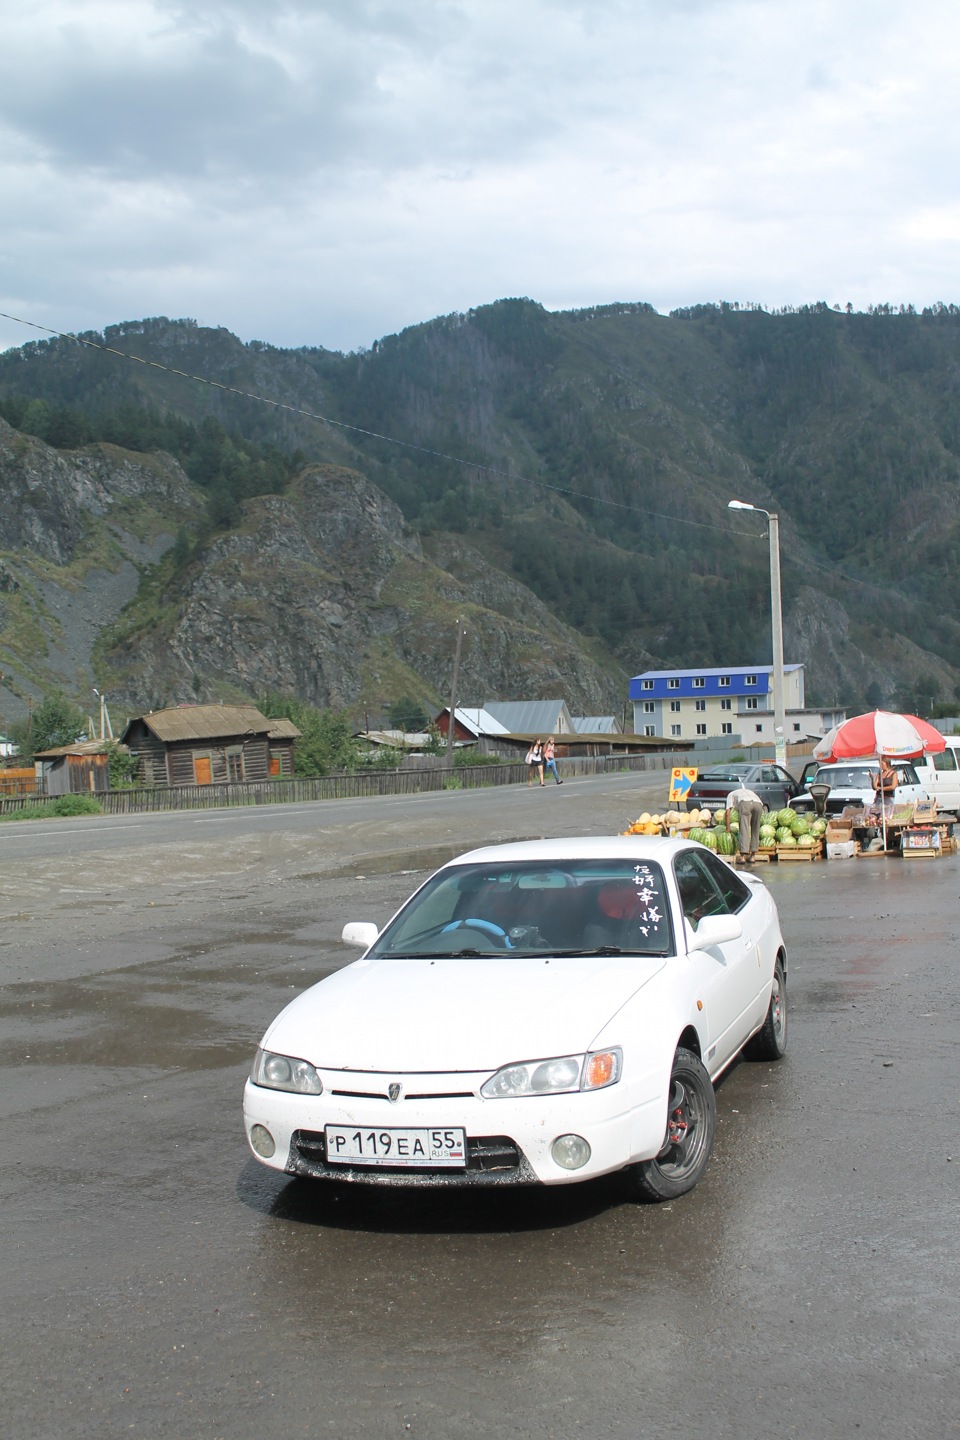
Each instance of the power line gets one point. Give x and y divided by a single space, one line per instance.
491 470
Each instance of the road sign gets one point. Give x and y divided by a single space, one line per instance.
681 778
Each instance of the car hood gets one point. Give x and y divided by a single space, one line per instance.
465 1014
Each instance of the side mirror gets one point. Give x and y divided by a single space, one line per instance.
712 930
360 932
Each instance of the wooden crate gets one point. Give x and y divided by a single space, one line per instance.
795 852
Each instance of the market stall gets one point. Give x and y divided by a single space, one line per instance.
910 830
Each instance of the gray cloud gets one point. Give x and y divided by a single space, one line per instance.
326 172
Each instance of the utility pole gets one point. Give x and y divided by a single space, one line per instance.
461 631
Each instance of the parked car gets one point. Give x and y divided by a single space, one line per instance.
537 1013
940 775
775 786
851 783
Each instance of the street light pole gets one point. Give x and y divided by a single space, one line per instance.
776 623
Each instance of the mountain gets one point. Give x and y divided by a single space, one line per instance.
320 592
559 481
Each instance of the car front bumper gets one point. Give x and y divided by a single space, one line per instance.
508 1141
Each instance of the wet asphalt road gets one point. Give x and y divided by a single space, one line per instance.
156 1281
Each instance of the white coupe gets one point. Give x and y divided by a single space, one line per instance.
536 1013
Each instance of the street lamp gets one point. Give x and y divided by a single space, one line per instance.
776 617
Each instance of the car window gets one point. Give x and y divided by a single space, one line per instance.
946 760
534 908
735 893
770 775
699 895
908 775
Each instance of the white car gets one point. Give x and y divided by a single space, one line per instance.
852 783
540 1012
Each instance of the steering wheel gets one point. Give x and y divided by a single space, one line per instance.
486 927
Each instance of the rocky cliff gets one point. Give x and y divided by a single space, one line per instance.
321 592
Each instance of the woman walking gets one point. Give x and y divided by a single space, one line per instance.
535 762
550 758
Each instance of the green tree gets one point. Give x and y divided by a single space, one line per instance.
55 721
326 742
406 714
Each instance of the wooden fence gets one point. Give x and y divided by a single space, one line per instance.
344 787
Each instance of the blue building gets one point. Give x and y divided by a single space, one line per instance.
725 701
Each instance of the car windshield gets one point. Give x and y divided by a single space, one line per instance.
846 777
569 907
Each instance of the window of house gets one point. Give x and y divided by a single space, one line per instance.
649 730
673 684
700 704
726 728
646 684
698 682
649 706
724 682
753 703
749 679
796 726
759 729
675 706
675 729
701 729
235 765
726 704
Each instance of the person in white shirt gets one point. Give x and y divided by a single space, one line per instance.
749 808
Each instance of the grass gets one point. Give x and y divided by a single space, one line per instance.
61 808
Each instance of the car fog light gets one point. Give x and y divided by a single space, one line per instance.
262 1141
570 1151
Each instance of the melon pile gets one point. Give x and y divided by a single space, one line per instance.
785 827
777 827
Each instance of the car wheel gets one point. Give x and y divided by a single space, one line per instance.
691 1123
770 1041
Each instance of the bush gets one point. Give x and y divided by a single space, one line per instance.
76 805
462 759
63 807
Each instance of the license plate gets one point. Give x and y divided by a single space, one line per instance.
424 1148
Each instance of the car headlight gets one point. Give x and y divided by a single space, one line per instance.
283 1072
551 1077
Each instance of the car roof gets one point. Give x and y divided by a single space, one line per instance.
658 848
733 772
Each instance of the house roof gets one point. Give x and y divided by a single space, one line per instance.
706 670
539 717
79 747
596 724
212 722
477 721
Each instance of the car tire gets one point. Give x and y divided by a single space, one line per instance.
691 1125
770 1041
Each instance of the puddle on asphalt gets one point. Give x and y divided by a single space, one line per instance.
405 862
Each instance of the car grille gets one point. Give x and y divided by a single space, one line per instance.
491 1160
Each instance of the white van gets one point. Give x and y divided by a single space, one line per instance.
940 775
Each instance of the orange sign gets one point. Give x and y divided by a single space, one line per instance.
681 778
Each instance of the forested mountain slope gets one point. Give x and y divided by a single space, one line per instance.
588 457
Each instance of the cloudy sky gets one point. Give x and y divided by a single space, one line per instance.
328 171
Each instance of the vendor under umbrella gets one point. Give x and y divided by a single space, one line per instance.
885 782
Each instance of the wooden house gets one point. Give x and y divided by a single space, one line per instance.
79 769
210 744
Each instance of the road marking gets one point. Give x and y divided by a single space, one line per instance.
82 830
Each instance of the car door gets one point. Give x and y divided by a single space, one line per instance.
730 975
777 787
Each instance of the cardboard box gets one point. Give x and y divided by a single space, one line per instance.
839 830
841 849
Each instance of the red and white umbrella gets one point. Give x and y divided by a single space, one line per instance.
880 732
